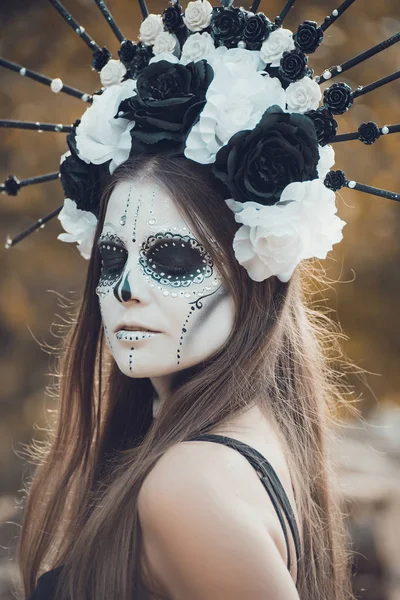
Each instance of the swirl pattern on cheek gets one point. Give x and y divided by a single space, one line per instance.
176 260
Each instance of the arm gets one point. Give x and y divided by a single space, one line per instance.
202 540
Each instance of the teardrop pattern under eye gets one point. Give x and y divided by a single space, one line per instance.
176 260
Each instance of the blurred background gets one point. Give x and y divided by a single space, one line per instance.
40 270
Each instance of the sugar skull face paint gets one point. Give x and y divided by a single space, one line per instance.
160 282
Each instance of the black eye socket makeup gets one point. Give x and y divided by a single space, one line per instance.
114 256
176 260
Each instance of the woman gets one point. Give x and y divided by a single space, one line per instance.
131 506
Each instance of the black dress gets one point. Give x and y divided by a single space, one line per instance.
46 583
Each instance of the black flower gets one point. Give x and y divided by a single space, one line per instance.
100 58
335 180
256 165
127 52
256 31
293 65
169 98
140 60
338 98
82 182
308 36
12 185
325 125
172 18
368 132
227 25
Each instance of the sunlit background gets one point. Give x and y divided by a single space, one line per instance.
40 268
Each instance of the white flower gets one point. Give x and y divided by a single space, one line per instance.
165 42
197 47
112 73
164 56
237 98
278 42
150 28
303 95
326 160
273 240
80 225
197 15
236 59
100 137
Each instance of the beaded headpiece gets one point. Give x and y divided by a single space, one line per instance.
222 86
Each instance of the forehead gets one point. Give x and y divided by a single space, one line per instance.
145 203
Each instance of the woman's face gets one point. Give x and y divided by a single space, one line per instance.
157 276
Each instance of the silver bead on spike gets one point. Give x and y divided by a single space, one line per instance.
385 129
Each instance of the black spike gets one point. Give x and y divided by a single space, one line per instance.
35 126
362 90
109 18
143 8
335 14
66 89
280 18
356 60
355 135
79 30
368 189
39 224
255 5
12 185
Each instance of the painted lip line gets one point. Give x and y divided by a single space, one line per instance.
134 336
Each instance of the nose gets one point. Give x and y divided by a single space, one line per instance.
132 285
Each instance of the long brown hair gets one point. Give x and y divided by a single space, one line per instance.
81 505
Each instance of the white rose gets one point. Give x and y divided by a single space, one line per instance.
236 100
236 59
80 226
100 137
112 73
326 160
303 95
197 15
165 42
269 241
278 42
164 56
150 28
197 47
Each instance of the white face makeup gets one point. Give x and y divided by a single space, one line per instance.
156 275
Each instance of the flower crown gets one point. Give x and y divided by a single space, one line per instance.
222 86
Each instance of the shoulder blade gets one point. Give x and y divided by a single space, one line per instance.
202 539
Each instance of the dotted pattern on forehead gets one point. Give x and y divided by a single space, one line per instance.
161 272
135 220
113 260
123 218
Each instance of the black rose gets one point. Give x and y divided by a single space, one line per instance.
293 65
100 58
256 31
82 182
140 60
325 125
127 52
308 36
368 132
172 18
338 98
335 180
169 98
256 165
227 25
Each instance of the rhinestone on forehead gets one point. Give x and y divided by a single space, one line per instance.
156 272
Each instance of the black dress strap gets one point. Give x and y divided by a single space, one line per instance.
271 482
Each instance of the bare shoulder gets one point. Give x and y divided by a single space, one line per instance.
202 537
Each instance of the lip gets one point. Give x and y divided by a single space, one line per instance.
129 335
134 327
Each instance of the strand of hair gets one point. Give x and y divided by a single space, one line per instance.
110 20
143 8
335 14
368 189
36 126
354 135
79 30
362 90
65 89
39 224
280 18
356 60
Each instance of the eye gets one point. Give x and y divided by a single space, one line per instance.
175 260
113 258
